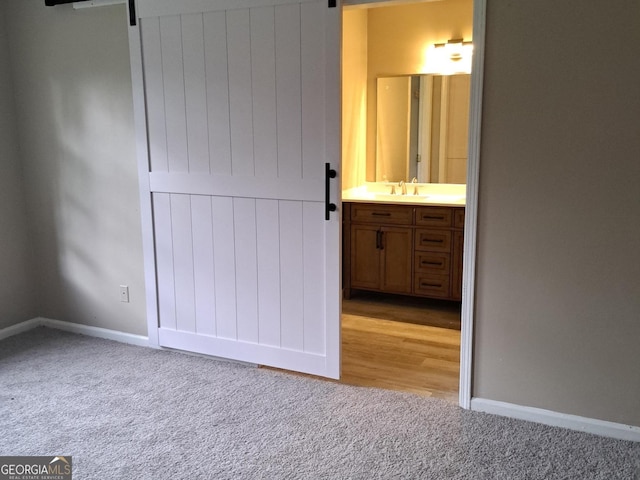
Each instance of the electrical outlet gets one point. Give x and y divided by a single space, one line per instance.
124 293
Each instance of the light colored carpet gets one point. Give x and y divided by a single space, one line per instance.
126 412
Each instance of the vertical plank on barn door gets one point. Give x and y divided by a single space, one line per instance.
291 275
183 265
263 59
269 252
244 223
195 89
156 123
204 274
217 87
164 260
174 93
240 99
225 268
288 90
239 116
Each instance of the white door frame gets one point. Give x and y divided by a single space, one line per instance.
471 210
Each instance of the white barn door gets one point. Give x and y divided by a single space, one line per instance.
241 114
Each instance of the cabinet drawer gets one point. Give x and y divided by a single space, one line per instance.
433 263
433 240
434 216
431 285
381 214
458 218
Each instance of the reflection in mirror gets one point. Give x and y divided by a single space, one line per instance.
422 128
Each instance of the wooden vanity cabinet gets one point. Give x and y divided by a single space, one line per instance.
380 252
403 249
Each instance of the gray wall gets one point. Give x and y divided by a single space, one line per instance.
558 294
75 120
16 295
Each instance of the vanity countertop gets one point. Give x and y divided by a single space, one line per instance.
448 195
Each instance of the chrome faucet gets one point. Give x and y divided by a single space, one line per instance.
415 188
403 187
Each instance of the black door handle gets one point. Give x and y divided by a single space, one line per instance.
329 207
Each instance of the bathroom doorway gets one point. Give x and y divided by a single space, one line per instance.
394 341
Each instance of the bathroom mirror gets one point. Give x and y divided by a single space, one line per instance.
422 128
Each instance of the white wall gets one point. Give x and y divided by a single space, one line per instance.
75 120
16 294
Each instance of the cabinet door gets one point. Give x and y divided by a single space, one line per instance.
396 252
365 256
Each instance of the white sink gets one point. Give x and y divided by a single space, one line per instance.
428 194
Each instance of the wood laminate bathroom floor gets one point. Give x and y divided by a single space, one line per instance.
400 356
419 311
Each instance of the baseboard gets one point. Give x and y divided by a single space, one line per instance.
555 419
105 333
19 328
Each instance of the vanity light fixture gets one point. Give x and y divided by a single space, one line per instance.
454 48
449 58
